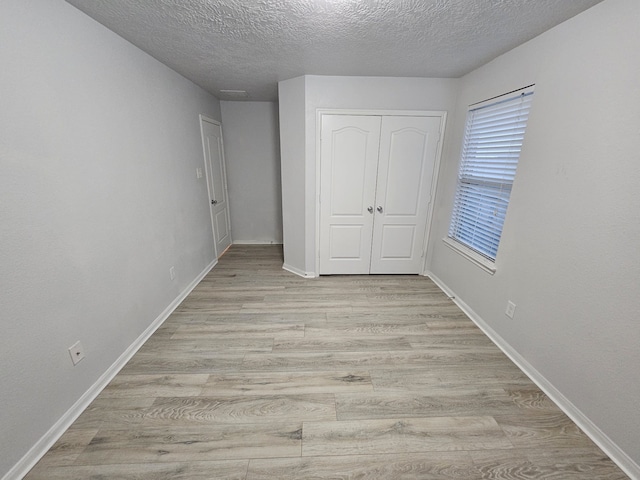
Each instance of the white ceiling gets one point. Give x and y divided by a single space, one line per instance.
252 44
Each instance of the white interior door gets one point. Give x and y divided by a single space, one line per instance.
376 177
216 183
348 169
408 149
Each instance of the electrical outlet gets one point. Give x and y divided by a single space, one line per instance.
511 309
77 352
198 172
172 273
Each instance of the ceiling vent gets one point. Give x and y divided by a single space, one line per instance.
233 95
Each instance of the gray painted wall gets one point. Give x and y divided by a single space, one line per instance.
252 151
569 257
291 94
99 145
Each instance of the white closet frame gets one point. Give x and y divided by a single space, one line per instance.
436 170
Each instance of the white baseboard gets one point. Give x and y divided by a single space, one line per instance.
619 456
298 272
42 446
256 242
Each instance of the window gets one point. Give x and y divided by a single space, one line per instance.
492 142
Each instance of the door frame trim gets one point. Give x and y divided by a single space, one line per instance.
426 263
204 118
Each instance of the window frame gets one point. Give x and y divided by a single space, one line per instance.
477 173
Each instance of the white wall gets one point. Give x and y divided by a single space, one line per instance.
569 257
363 93
99 145
292 163
252 151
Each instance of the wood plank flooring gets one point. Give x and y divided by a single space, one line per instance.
260 374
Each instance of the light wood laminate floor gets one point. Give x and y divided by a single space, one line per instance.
260 374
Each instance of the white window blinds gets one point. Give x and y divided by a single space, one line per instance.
492 142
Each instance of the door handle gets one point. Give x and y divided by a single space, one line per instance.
379 209
370 209
214 202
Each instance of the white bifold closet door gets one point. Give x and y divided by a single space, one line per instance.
376 175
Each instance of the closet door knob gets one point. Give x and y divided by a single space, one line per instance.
370 209
379 209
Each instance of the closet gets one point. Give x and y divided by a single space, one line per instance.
377 174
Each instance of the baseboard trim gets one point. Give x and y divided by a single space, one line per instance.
297 271
42 446
619 456
256 242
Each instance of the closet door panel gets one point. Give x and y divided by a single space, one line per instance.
348 169
408 148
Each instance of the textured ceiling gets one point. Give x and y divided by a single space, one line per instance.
252 44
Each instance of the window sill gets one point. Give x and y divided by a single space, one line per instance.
484 263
